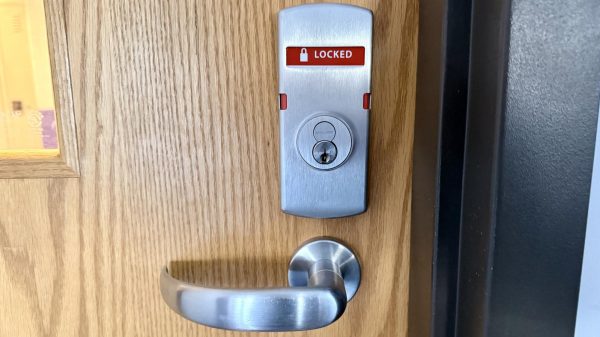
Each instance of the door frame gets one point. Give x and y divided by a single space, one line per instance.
440 119
502 169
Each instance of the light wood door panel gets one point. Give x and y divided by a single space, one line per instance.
177 124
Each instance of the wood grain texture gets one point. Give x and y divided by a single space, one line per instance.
67 163
176 109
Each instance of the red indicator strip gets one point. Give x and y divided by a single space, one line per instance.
325 56
367 101
282 101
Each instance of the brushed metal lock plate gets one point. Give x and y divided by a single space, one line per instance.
325 86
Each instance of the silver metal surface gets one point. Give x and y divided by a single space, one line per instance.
323 274
325 249
307 187
324 131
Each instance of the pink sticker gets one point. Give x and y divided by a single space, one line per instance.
49 136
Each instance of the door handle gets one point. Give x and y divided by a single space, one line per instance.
323 275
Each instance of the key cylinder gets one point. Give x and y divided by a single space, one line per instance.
324 141
325 152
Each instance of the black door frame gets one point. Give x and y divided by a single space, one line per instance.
507 108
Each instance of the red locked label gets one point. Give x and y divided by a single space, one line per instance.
325 56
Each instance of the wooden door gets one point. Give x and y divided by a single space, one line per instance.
177 126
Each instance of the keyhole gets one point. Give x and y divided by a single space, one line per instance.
325 152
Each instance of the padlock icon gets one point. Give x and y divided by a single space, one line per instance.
303 55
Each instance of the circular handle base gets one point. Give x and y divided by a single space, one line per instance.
324 249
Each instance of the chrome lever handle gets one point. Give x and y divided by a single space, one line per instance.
323 276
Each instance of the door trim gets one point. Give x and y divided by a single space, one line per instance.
528 142
442 86
531 127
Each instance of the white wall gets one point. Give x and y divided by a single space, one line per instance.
588 311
